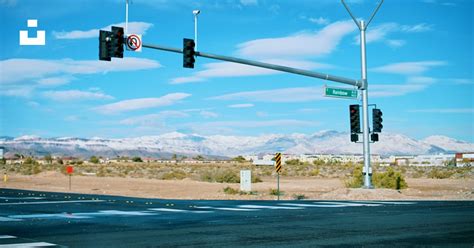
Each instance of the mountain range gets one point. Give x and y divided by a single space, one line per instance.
163 146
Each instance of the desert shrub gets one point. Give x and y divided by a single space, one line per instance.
220 176
314 172
230 191
275 192
94 160
357 179
255 178
390 179
440 174
299 197
175 174
137 159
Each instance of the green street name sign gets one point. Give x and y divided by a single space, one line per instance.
340 92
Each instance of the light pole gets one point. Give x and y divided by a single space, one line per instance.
196 13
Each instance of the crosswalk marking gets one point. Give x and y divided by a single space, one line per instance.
8 219
312 205
7 237
348 204
33 244
267 207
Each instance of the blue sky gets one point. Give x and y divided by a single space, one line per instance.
420 63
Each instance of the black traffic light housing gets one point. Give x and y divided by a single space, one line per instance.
188 53
374 137
111 43
104 43
377 120
354 112
117 42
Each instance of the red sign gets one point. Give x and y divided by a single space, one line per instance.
69 169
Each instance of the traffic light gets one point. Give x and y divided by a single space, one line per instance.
188 53
111 43
377 120
374 137
104 43
354 137
354 111
117 42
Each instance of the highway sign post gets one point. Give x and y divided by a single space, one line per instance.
69 170
340 92
278 170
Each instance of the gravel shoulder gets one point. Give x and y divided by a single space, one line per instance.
307 187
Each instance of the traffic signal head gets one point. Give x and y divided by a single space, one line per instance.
117 42
354 137
188 53
104 43
374 137
377 120
354 111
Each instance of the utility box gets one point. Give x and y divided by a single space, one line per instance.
245 180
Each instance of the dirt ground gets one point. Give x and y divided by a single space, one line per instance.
309 188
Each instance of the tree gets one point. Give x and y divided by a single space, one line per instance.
29 160
199 158
94 160
174 157
48 158
60 161
137 159
239 159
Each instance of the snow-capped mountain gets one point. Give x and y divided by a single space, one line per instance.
324 142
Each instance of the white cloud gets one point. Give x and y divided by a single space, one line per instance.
254 124
319 20
71 118
249 2
302 45
55 81
413 84
133 28
382 31
409 68
444 111
26 69
20 91
303 94
227 69
241 105
141 103
418 28
152 119
75 95
395 43
208 114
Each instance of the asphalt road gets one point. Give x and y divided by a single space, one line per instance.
30 218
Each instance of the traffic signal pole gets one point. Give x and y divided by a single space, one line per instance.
365 98
307 73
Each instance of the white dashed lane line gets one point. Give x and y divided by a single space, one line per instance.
7 237
34 244
48 202
268 207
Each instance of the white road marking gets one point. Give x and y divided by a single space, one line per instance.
48 216
169 210
118 212
35 244
179 210
21 198
7 237
348 204
8 219
48 202
237 209
312 205
387 202
267 207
